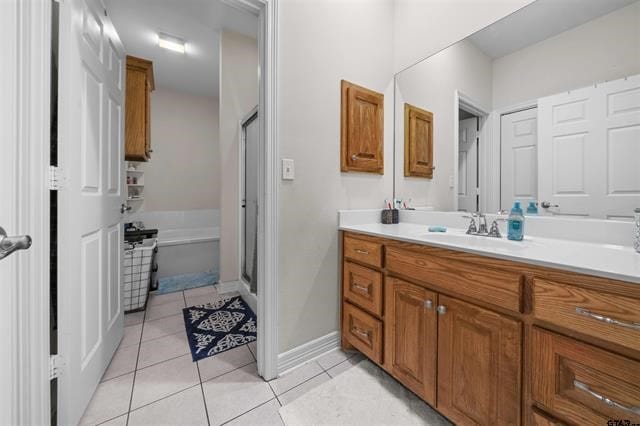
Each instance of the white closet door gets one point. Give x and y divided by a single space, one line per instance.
519 158
590 150
620 153
468 165
90 231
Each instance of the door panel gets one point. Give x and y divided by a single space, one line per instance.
250 201
519 158
90 243
468 165
590 138
479 353
411 330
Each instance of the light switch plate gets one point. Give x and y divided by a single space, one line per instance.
288 169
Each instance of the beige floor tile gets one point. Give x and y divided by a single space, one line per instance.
131 335
162 349
133 318
224 362
203 299
164 379
118 421
199 291
295 377
235 393
164 310
253 347
110 400
159 299
264 415
345 365
333 358
184 408
162 327
305 387
123 362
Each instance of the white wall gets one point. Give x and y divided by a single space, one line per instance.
238 96
320 43
183 171
423 27
606 48
431 85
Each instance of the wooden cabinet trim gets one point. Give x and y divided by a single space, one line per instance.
361 153
418 145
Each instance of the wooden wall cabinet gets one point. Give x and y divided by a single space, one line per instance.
493 342
361 129
418 142
140 84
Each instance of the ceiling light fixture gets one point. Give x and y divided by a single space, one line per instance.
170 42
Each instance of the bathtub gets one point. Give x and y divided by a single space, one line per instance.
188 250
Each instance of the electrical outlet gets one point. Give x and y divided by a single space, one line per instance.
288 169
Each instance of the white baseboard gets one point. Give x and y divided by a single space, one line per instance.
308 352
228 286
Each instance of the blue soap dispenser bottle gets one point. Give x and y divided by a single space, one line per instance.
516 223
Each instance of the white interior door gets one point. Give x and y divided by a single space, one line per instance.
468 165
590 141
90 233
518 158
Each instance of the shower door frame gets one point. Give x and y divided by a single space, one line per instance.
249 118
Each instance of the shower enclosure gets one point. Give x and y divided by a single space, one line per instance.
249 219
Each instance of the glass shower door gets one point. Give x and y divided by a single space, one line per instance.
250 201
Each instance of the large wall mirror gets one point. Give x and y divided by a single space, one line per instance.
543 105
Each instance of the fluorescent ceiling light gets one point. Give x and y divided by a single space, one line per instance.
169 42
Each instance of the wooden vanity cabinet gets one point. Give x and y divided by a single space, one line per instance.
412 336
493 342
479 364
140 84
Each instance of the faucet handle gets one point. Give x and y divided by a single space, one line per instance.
503 212
494 231
472 229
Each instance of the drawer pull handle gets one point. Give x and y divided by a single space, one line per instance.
361 333
608 320
361 251
360 287
611 403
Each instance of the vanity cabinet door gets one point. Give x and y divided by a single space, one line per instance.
412 336
479 358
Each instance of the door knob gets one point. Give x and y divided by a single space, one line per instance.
428 304
547 204
10 244
124 208
441 309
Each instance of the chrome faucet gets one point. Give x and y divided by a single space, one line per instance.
479 228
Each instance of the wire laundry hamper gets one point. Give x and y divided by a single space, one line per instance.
137 275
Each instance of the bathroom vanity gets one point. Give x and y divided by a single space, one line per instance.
486 338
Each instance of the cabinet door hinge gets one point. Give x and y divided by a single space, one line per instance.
56 178
56 364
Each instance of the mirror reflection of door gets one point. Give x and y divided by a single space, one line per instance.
519 158
249 223
468 162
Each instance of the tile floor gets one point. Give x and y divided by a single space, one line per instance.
153 381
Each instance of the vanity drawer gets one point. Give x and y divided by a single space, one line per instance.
368 252
572 378
363 287
363 331
500 288
603 315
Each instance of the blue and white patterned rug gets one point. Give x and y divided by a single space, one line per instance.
219 326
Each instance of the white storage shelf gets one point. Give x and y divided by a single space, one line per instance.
135 188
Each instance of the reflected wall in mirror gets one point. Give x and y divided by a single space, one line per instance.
542 106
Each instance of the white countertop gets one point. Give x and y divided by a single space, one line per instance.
603 260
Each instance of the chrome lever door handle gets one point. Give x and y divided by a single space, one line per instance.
547 204
10 244
124 208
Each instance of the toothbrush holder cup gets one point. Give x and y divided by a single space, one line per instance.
390 216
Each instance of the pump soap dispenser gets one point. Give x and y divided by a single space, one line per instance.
516 223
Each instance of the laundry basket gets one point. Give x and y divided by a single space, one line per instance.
137 274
